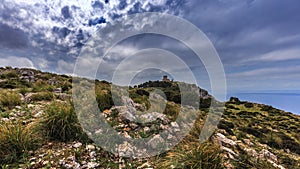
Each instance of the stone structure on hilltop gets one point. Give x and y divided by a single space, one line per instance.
165 78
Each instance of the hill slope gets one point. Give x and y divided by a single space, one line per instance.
39 128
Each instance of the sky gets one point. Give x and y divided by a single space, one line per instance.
258 41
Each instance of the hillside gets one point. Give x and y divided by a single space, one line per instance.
39 127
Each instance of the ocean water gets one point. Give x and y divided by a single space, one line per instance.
285 100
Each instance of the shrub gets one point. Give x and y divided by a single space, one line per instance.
16 140
248 105
230 106
24 90
253 131
234 100
60 123
226 125
66 86
41 86
288 162
104 100
266 108
193 155
9 99
42 96
172 111
10 74
9 84
142 92
143 100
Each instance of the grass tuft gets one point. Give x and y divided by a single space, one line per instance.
9 99
193 155
60 123
16 140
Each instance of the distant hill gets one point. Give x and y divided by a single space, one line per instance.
39 127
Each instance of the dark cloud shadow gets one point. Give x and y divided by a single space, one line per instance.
12 37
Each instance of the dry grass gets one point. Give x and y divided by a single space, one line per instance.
193 156
16 140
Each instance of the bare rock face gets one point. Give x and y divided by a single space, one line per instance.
150 117
28 97
228 147
265 154
127 111
225 141
127 116
251 152
126 149
63 96
27 75
248 142
57 90
270 157
22 98
155 141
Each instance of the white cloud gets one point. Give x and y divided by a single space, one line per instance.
280 55
14 61
267 72
287 39
42 16
42 63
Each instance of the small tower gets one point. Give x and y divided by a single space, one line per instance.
165 79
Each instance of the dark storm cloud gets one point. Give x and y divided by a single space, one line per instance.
65 11
96 21
252 36
97 4
238 28
122 4
61 32
12 37
137 7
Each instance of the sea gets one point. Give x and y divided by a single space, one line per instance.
286 100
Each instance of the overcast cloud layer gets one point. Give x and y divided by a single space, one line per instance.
257 41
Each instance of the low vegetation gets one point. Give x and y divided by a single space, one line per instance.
60 123
16 140
38 121
9 99
193 155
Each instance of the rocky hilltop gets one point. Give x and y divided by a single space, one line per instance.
39 127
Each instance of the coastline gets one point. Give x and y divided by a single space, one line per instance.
284 100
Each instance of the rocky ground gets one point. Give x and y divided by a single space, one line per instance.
249 135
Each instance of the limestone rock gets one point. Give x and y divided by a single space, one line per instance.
225 141
265 154
155 141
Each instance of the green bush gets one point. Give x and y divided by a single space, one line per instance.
172 111
10 74
42 86
42 96
60 123
104 100
205 103
142 92
266 108
248 105
253 131
226 125
24 90
9 99
234 100
16 140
